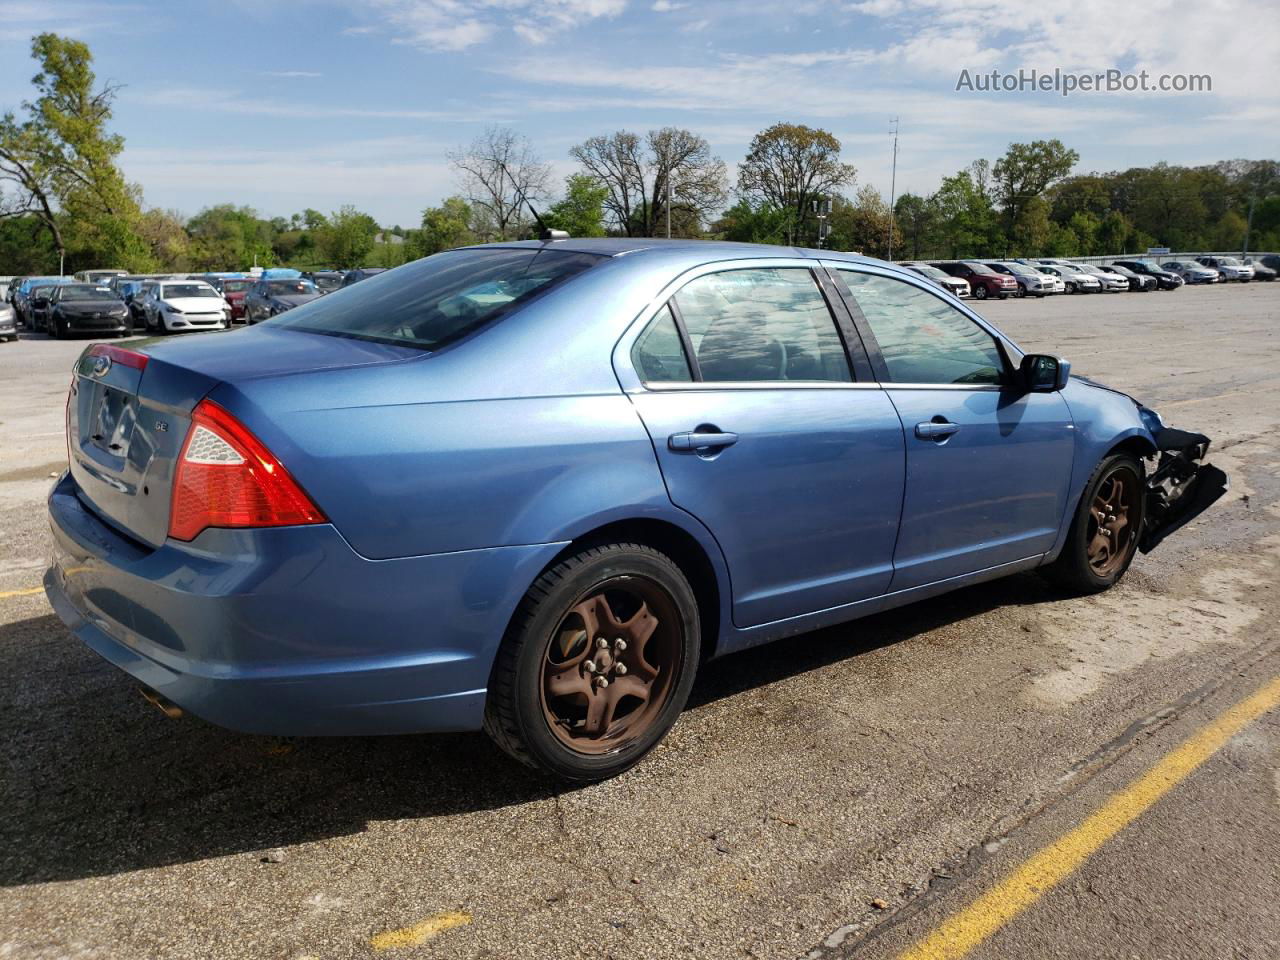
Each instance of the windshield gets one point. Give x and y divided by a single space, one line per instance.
236 286
1229 261
85 292
179 290
290 288
979 268
1021 269
38 292
932 272
434 301
328 283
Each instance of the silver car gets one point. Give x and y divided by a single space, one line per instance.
1111 283
1229 267
1192 272
957 285
1031 282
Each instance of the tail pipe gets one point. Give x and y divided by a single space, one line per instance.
160 701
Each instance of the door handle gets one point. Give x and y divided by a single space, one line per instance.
936 430
701 440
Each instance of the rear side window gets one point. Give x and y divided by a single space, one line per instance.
432 302
922 338
762 325
659 355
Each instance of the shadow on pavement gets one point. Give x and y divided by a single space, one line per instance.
100 782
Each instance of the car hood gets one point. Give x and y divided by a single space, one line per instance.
195 304
297 299
91 306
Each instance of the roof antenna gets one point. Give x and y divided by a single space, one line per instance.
546 233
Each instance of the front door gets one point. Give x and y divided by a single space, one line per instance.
988 464
764 435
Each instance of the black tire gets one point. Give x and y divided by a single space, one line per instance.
1071 287
55 329
1073 569
980 292
517 715
1022 291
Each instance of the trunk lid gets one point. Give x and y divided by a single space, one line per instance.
127 419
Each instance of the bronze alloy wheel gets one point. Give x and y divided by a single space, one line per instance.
1113 530
609 666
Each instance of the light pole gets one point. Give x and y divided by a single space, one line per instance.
893 185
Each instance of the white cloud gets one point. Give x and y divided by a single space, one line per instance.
292 74
451 25
666 6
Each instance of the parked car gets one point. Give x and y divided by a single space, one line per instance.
12 290
1108 282
326 281
529 487
983 281
1192 272
1030 282
1165 279
170 306
134 294
8 322
1137 282
22 297
1058 285
1073 279
1264 270
98 276
87 308
954 285
266 298
1229 268
234 290
37 306
355 276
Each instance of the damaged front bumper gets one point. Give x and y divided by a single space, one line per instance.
1182 486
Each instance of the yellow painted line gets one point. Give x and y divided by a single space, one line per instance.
28 592
420 932
959 934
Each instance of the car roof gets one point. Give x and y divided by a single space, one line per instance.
713 249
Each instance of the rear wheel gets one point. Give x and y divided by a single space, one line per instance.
1104 534
597 664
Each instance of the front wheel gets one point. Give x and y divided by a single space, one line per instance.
1071 288
1104 534
980 292
1022 291
597 664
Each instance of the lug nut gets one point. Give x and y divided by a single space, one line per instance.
602 682
620 644
589 666
620 669
601 643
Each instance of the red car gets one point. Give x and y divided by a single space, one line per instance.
233 291
983 281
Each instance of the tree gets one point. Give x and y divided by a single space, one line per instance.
758 223
166 238
26 183
347 238
861 225
788 166
444 227
499 172
1031 231
227 237
1085 226
581 212
635 175
917 224
1026 170
967 222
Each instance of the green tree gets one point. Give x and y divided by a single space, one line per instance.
1031 231
581 211
227 237
788 166
745 222
1085 226
861 224
347 238
1026 170
916 226
444 227
968 224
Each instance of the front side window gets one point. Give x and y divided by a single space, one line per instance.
762 324
434 301
922 338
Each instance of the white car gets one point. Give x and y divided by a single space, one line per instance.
1229 267
1031 282
1111 283
173 305
1058 285
1074 279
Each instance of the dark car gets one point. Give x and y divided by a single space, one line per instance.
1165 280
363 273
268 298
37 306
1137 282
983 281
1265 267
234 290
326 281
87 308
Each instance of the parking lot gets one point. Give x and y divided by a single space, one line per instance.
841 793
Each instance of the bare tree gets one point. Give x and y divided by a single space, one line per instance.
497 170
636 175
789 165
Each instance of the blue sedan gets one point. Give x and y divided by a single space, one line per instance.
530 487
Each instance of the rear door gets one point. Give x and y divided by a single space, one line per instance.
766 434
988 464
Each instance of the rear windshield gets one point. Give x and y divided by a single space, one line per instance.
235 286
435 301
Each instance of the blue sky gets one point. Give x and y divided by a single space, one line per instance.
286 104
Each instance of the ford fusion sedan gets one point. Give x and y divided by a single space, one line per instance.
1230 268
531 487
1165 280
87 308
1192 272
172 306
954 285
267 298
1030 282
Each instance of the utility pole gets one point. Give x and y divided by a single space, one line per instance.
1244 253
668 204
893 185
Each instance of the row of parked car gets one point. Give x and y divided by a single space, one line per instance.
984 279
116 302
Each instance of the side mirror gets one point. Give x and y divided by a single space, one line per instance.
1042 373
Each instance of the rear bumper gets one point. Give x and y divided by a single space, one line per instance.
288 631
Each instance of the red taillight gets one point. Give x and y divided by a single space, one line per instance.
227 478
121 355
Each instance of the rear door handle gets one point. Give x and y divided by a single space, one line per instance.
935 430
701 440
